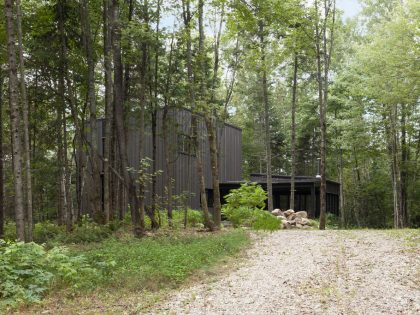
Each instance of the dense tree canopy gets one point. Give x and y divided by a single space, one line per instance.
292 73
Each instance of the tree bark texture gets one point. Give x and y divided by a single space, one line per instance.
95 178
15 121
108 109
266 106
293 134
1 159
26 140
65 213
137 211
195 140
166 138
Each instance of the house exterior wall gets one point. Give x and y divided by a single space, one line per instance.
183 165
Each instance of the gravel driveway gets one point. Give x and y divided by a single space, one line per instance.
312 272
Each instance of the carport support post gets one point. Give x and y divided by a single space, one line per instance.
313 202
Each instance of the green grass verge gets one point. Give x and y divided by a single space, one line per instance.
157 262
144 270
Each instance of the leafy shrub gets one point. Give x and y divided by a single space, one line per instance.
244 206
10 231
76 270
46 231
333 221
249 195
263 220
238 215
194 217
28 270
87 231
23 273
313 223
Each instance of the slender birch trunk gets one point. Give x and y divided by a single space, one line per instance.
15 121
267 134
166 140
25 111
108 109
1 158
293 134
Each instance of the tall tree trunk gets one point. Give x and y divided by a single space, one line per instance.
108 110
144 76
405 156
194 119
166 135
211 124
168 164
322 77
67 177
214 162
95 178
127 65
1 158
395 167
155 224
25 111
15 122
293 134
267 134
137 211
65 210
322 191
155 106
341 200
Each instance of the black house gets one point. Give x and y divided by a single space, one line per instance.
183 166
183 163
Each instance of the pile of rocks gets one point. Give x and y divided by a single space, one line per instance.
292 219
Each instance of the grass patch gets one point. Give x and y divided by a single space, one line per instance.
154 263
145 269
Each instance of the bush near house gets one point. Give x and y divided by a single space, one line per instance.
245 207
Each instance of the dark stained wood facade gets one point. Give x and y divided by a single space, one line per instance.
183 163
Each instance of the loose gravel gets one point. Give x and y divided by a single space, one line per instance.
312 272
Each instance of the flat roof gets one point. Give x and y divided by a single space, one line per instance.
280 179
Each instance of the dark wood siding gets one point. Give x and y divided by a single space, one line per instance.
183 166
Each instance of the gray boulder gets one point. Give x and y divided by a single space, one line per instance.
302 214
288 212
276 212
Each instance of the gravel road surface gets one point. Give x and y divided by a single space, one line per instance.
312 272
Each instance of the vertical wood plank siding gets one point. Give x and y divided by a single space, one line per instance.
183 166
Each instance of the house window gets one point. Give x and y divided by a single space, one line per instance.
185 144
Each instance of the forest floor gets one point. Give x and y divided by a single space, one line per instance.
313 272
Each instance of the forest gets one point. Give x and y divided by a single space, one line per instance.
296 75
312 91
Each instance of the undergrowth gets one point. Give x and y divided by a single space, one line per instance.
245 207
28 271
155 263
